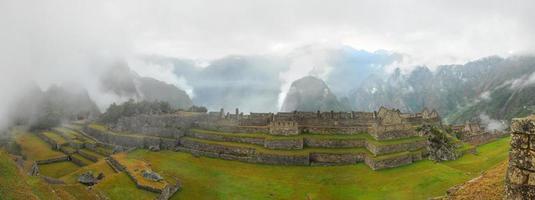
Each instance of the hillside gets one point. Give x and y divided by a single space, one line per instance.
311 94
125 83
498 87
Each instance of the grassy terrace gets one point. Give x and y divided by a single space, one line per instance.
91 153
59 169
100 166
305 151
207 178
54 136
103 128
119 186
84 161
34 148
360 136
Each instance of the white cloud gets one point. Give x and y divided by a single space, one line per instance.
523 81
492 124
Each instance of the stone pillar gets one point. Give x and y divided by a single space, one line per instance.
221 113
237 113
520 177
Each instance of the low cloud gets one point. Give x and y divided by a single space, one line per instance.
491 124
523 81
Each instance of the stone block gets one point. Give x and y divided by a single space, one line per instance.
516 176
519 140
518 158
523 125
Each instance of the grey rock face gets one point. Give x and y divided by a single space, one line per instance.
87 178
150 175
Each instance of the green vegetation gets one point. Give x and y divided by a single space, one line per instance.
57 170
360 136
55 137
207 178
91 153
98 167
131 108
120 186
33 148
84 161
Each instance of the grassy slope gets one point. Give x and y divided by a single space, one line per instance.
34 148
206 178
120 186
100 166
57 170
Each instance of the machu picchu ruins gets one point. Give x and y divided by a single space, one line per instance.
382 139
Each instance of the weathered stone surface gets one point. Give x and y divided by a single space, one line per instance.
516 176
154 148
335 159
520 178
281 159
523 125
34 171
519 140
227 138
216 148
287 144
150 175
87 178
378 149
333 143
388 163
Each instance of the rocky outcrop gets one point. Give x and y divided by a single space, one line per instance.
87 178
34 171
520 178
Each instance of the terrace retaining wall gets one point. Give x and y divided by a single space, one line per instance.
520 177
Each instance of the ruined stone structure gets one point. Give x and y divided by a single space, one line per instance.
474 133
520 178
284 138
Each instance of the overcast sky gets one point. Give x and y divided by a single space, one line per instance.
65 40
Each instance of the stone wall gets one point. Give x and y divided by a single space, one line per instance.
381 149
336 158
168 126
388 132
226 138
375 164
333 143
284 143
216 148
282 159
52 160
520 178
126 140
484 138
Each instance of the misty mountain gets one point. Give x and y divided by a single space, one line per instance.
311 94
125 83
494 86
43 109
255 82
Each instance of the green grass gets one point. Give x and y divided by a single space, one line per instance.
91 153
100 166
359 136
57 170
54 136
34 148
84 161
207 178
120 186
